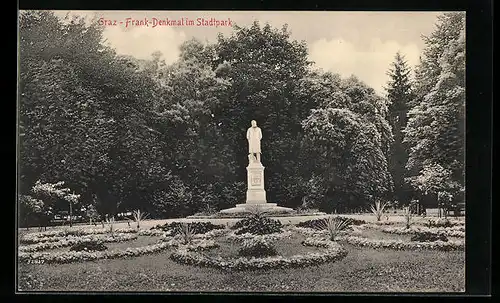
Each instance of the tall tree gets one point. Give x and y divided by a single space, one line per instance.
435 130
346 144
264 67
400 96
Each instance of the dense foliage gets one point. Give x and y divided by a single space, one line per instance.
257 247
195 227
169 139
429 237
257 225
439 223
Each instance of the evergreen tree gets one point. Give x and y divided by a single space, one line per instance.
399 95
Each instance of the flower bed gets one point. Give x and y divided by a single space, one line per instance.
88 246
442 222
375 243
153 233
72 240
74 256
428 237
31 254
315 222
196 227
56 235
257 225
385 222
332 252
310 232
257 247
272 237
402 245
449 232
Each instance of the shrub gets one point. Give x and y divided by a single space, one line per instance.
257 247
313 223
257 225
111 222
333 226
196 227
139 216
378 209
88 246
439 223
408 217
428 237
186 232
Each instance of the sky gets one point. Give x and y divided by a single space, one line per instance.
349 43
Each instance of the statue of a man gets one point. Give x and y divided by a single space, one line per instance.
254 135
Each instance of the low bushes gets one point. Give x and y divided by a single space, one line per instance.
333 252
428 237
455 231
151 232
87 249
269 237
257 247
317 222
79 256
257 225
55 235
195 227
211 234
402 245
310 232
443 222
88 246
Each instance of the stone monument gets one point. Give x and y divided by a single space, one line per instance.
256 193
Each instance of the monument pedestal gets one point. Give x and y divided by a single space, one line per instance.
256 194
246 208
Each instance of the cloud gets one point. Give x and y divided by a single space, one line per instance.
369 64
141 42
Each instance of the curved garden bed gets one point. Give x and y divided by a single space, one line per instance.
72 240
355 238
331 252
403 245
457 232
57 235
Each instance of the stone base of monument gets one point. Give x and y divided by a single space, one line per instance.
256 195
247 208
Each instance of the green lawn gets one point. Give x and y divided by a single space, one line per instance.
363 270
